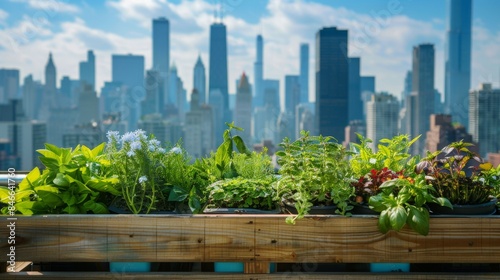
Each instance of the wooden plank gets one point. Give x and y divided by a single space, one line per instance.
249 239
231 276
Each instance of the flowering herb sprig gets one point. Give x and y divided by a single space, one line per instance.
137 160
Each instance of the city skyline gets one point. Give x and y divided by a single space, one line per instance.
65 24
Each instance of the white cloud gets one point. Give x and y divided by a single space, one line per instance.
50 6
3 16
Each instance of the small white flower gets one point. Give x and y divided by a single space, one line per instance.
161 150
129 137
154 142
112 135
373 160
482 180
135 146
176 150
130 153
143 179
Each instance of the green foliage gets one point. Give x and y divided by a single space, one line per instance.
458 174
75 181
391 153
402 201
314 171
243 193
146 171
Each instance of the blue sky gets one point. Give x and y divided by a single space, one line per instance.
381 32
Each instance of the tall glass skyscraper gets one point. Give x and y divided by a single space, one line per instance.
218 61
217 81
200 81
304 73
332 78
458 60
258 69
161 45
87 70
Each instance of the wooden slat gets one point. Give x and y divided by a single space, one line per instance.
232 276
249 239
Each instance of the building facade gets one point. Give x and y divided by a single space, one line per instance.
484 118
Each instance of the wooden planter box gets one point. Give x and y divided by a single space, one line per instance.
255 240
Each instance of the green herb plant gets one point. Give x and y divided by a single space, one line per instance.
139 163
314 171
458 174
75 181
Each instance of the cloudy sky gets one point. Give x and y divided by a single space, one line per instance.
381 32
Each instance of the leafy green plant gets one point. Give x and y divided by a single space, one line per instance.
242 192
388 182
75 181
140 162
314 171
458 174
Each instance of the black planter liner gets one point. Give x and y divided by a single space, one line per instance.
315 210
363 209
240 211
488 208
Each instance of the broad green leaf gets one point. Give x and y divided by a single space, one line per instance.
86 152
72 209
4 195
69 198
27 182
240 144
418 219
50 163
109 185
53 148
49 195
94 207
49 154
384 223
178 194
444 202
26 207
398 217
61 180
66 155
377 203
97 151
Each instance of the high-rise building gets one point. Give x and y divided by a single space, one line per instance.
198 128
423 86
304 73
443 132
258 68
161 45
152 103
199 80
367 88
129 70
304 118
50 76
484 117
218 62
408 87
292 92
355 101
332 79
88 109
382 113
243 109
69 92
9 85
458 60
87 70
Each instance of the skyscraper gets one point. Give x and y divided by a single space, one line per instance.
161 58
217 83
161 45
9 85
381 118
87 70
258 69
458 60
484 117
292 92
423 86
304 73
355 101
49 98
332 77
243 110
200 81
129 70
